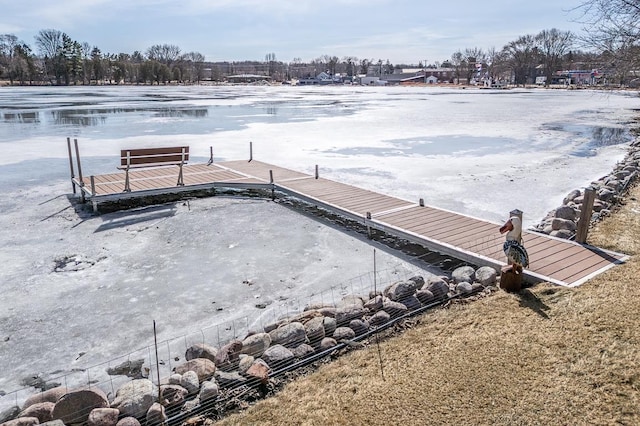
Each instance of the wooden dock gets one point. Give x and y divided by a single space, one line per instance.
473 240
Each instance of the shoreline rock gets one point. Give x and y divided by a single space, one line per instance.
563 221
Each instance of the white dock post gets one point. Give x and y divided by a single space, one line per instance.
75 142
73 184
585 215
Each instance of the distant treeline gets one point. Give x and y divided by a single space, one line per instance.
610 46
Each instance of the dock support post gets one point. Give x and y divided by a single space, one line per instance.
93 185
585 215
73 184
317 172
210 162
368 217
250 151
75 142
421 202
273 187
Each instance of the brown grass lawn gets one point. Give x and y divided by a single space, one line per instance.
547 356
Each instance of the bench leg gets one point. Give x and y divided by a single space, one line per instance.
180 177
127 188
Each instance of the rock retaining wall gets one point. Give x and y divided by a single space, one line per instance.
210 375
562 222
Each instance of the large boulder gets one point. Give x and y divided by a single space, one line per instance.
50 395
201 350
374 304
289 335
228 356
347 313
359 326
463 274
190 381
379 318
418 280
411 302
439 288
75 406
425 296
128 421
558 223
22 421
43 411
256 344
156 414
209 390
400 290
486 275
315 330
277 356
464 288
244 363
395 309
330 325
303 350
203 367
103 417
343 333
172 395
259 371
134 398
328 343
566 212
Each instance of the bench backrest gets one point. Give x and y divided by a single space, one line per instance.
133 157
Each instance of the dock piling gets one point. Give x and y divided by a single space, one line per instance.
585 215
73 184
75 142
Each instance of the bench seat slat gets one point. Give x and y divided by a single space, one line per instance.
154 155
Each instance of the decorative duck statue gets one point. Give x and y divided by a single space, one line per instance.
513 248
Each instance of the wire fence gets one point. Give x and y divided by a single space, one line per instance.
309 335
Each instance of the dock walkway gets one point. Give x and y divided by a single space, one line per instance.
473 240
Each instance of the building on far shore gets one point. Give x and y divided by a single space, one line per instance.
248 78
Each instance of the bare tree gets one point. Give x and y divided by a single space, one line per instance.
165 53
49 44
522 56
553 45
613 28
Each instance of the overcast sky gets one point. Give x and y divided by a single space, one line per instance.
402 31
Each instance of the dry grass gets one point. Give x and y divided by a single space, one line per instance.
546 356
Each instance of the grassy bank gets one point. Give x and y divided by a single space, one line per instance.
548 355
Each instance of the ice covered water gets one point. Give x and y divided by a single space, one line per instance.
477 152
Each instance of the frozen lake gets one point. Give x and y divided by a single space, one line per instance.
478 152
201 268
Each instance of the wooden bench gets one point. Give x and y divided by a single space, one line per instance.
153 157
